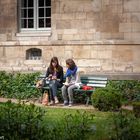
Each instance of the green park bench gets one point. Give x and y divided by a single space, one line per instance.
86 81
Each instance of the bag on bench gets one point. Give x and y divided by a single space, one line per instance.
84 87
41 83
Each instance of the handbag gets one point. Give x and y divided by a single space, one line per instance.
40 83
87 87
45 100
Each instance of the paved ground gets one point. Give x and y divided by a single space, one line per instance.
60 105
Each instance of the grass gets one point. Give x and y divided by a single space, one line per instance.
62 120
100 122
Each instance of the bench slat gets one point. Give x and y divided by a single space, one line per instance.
94 78
97 85
92 82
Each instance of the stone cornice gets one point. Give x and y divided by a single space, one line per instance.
48 43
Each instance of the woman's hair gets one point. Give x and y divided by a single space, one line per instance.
71 64
55 60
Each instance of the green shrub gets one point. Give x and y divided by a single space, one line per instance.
126 126
18 85
20 122
136 109
130 89
28 122
106 99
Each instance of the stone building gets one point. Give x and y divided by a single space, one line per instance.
102 36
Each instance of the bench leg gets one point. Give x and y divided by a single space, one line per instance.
87 102
88 98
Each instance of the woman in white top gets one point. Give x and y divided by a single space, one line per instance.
71 82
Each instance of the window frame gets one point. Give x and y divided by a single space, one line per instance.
35 18
33 54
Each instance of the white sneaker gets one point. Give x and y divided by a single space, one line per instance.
70 105
51 103
56 100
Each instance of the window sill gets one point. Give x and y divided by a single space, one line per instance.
34 34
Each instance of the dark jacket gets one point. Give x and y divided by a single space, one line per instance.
59 73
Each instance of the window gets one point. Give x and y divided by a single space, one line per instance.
33 54
34 14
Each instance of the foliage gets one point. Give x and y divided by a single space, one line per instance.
136 109
31 123
27 122
126 126
130 89
18 85
73 126
106 99
19 121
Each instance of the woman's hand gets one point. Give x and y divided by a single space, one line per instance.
54 77
50 76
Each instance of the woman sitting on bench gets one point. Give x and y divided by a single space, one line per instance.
55 76
71 80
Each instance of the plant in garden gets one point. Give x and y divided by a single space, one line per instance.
130 89
25 122
18 85
28 122
106 99
78 126
136 109
126 126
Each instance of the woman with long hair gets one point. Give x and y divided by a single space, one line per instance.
55 75
71 80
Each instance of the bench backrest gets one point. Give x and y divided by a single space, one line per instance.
94 81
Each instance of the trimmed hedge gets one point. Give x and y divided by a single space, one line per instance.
136 109
106 99
18 85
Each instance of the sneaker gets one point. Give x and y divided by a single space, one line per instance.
70 104
51 103
65 103
56 100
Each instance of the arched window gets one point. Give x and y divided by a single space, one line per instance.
33 54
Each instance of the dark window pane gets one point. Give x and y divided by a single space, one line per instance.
30 23
30 13
41 3
33 54
30 3
23 3
23 13
48 22
41 12
24 23
41 23
48 12
47 2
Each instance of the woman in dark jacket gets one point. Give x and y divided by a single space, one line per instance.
55 75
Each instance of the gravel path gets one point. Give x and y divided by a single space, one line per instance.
60 105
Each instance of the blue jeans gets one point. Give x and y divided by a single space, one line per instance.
54 85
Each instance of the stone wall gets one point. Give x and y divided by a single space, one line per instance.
98 20
8 20
102 36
